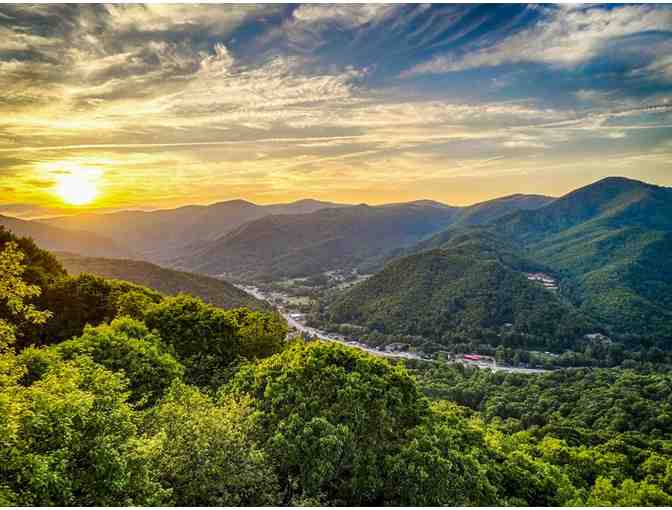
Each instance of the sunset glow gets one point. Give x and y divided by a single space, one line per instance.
78 187
184 104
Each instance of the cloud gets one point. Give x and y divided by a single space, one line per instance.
344 14
521 141
564 37
252 100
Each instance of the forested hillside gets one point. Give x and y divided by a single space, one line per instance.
474 287
137 399
610 242
605 246
167 281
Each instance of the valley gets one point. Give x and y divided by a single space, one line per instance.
296 322
531 281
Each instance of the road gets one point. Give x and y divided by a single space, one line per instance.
299 326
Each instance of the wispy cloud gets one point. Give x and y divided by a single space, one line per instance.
565 36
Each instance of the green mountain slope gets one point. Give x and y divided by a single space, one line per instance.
611 243
166 281
608 244
614 202
473 287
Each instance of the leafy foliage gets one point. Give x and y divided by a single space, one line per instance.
14 292
78 301
336 420
208 339
127 345
206 452
70 438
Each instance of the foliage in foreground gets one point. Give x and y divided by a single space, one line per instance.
155 401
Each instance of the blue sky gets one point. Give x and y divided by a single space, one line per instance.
163 105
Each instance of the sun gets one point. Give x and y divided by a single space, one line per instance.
78 186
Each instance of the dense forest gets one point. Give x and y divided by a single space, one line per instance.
113 394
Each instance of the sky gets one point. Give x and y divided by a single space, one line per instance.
157 106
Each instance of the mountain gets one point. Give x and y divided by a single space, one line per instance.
491 210
162 235
611 242
469 217
360 237
607 244
614 202
166 281
334 238
60 239
476 286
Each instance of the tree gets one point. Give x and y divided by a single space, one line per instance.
134 303
206 452
630 493
441 463
71 439
207 340
127 345
330 415
14 292
81 300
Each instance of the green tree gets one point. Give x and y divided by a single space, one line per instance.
14 294
206 453
134 303
630 493
81 300
70 438
441 463
207 340
330 417
127 345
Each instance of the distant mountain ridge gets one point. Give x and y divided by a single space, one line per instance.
162 234
171 235
333 238
54 238
338 238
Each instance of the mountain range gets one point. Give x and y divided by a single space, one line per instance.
607 245
65 239
236 236
164 234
